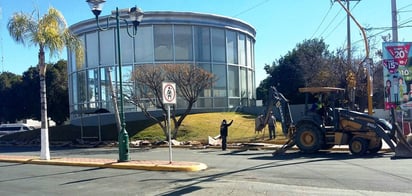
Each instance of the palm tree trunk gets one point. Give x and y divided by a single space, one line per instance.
45 151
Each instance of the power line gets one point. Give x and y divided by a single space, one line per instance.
340 22
323 20
251 8
404 7
402 25
385 29
330 23
336 26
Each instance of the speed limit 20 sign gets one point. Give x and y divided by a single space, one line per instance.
169 92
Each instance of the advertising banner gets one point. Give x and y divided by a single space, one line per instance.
397 75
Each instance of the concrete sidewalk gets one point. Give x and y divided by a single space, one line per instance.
108 163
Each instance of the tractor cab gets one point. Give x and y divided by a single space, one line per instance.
320 103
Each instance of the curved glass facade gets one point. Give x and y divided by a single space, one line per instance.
221 45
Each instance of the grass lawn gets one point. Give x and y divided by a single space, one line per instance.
196 127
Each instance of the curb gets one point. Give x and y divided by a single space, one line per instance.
109 163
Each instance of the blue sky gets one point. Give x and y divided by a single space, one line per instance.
280 25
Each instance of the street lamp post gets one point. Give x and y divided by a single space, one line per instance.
135 15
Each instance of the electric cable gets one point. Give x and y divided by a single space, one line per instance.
340 22
323 20
251 8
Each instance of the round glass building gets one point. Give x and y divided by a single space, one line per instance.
221 45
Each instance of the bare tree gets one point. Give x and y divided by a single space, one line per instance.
190 82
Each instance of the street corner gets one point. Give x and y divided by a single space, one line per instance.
17 159
150 165
160 165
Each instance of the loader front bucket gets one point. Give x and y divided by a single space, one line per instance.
403 148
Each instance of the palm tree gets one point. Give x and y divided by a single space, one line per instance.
49 33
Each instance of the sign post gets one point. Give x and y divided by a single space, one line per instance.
169 98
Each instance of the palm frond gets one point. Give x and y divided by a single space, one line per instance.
21 27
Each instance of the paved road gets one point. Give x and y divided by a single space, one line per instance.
229 173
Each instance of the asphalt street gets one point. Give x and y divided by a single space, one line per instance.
231 172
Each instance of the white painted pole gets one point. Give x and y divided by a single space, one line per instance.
169 130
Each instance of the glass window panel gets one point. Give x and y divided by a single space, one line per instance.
207 92
248 53
92 50
233 78
245 102
105 88
218 45
242 49
72 60
251 85
219 89
183 43
126 46
107 47
234 103
75 95
204 103
144 44
243 82
115 80
127 85
82 87
231 47
91 90
73 55
163 42
202 43
252 55
220 102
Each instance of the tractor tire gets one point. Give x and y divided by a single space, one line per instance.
358 146
309 138
376 148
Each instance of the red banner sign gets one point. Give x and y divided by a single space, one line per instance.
399 53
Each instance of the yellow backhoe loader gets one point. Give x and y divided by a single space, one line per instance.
327 123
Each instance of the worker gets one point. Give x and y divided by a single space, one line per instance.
318 106
272 126
223 133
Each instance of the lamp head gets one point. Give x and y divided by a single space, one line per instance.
136 16
96 6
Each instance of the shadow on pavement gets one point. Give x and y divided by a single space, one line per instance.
330 155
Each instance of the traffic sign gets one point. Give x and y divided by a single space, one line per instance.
169 92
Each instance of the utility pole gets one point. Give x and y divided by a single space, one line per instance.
394 21
367 60
349 46
351 90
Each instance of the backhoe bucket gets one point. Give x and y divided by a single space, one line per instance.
403 148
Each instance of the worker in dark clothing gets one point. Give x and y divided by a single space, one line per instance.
272 126
223 132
